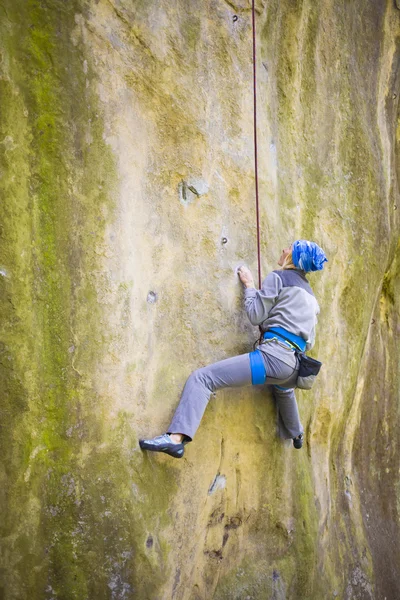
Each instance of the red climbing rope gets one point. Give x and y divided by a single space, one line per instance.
253 13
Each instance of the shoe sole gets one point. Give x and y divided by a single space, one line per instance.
176 453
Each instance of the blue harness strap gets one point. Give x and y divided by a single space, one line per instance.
287 336
257 366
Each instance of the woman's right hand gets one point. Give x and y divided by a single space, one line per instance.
245 276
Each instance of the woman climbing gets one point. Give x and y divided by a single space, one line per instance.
286 311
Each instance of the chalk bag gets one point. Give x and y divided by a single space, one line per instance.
308 370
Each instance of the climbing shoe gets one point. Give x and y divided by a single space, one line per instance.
163 443
298 441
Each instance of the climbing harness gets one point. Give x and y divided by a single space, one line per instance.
308 367
295 341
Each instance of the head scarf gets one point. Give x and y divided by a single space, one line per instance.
308 256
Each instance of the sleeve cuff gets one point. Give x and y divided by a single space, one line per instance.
249 292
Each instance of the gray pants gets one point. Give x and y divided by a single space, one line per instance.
236 372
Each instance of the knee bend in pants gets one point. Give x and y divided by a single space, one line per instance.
202 376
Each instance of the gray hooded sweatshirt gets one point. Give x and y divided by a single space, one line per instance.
285 300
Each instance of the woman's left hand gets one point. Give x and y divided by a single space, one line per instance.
245 276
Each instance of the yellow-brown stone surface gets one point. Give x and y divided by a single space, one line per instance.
126 156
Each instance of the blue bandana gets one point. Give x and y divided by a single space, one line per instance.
308 256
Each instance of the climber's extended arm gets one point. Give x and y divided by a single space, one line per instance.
258 303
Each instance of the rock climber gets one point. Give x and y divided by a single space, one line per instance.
286 310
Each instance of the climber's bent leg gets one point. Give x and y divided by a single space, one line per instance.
289 418
232 372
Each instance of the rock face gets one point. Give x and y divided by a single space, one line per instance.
127 204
